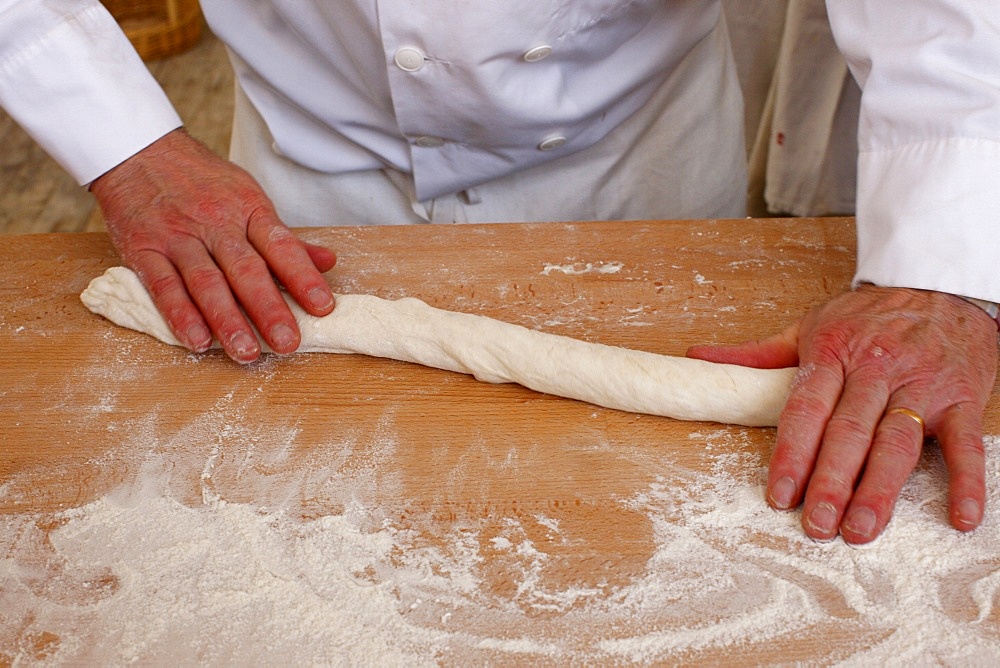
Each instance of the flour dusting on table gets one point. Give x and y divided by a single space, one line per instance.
154 570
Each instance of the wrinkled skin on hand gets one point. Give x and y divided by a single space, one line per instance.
840 450
205 240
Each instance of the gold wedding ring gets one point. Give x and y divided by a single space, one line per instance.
908 413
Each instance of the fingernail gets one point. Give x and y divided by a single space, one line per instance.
968 513
861 522
244 347
823 519
199 337
783 493
282 337
320 299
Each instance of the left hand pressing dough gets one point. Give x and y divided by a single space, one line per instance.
498 352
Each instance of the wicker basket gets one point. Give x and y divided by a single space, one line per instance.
158 28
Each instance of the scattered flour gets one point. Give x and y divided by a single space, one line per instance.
147 573
906 596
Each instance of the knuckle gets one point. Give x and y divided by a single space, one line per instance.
962 392
213 209
164 286
846 425
246 264
200 279
135 241
269 233
829 345
806 402
834 485
897 445
964 438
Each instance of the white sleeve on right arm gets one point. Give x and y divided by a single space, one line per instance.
928 206
71 79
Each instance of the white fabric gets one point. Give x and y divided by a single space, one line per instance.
624 177
70 78
346 105
929 140
328 87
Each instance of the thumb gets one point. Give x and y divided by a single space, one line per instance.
774 352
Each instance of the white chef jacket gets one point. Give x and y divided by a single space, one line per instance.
358 84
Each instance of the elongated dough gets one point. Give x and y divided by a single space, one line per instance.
499 352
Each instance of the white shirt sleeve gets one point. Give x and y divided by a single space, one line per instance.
71 79
928 205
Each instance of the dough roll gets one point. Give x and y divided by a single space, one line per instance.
498 352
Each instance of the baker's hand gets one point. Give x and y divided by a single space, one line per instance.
205 240
880 370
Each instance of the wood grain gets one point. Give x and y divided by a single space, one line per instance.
64 362
82 402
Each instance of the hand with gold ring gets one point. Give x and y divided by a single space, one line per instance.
880 370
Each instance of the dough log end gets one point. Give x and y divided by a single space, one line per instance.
119 296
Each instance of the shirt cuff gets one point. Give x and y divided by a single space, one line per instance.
82 92
927 216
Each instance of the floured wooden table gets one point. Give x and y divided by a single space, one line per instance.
159 506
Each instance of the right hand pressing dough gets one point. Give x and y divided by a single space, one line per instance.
499 352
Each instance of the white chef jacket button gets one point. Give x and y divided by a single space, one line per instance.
409 59
552 143
429 142
537 53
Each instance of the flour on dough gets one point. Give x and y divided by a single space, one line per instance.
498 352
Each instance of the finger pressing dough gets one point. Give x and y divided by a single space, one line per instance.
499 352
